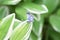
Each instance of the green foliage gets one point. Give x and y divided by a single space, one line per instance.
3 11
21 32
29 19
9 2
5 25
51 4
55 22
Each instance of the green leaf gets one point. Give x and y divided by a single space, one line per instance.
22 31
35 8
21 13
51 4
16 23
55 22
22 9
37 26
6 27
9 2
33 36
3 12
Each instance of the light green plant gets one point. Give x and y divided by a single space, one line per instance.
29 19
